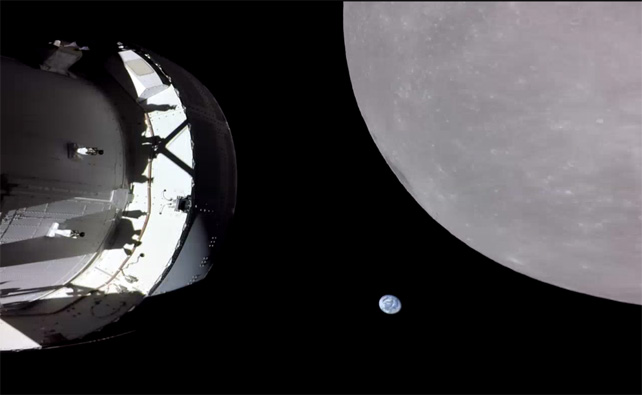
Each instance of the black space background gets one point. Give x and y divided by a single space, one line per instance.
322 229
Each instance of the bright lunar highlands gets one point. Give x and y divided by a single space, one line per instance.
516 126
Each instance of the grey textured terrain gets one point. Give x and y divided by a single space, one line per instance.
516 126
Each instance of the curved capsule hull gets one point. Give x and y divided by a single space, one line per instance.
87 235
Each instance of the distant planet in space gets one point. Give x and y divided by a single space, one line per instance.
516 126
389 304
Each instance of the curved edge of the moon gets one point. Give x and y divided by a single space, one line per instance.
402 179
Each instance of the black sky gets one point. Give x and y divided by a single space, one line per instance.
322 229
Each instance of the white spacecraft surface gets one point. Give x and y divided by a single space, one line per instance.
118 182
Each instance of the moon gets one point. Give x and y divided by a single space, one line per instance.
389 304
516 126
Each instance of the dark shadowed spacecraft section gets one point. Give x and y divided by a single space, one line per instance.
41 113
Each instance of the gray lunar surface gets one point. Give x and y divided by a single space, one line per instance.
516 126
